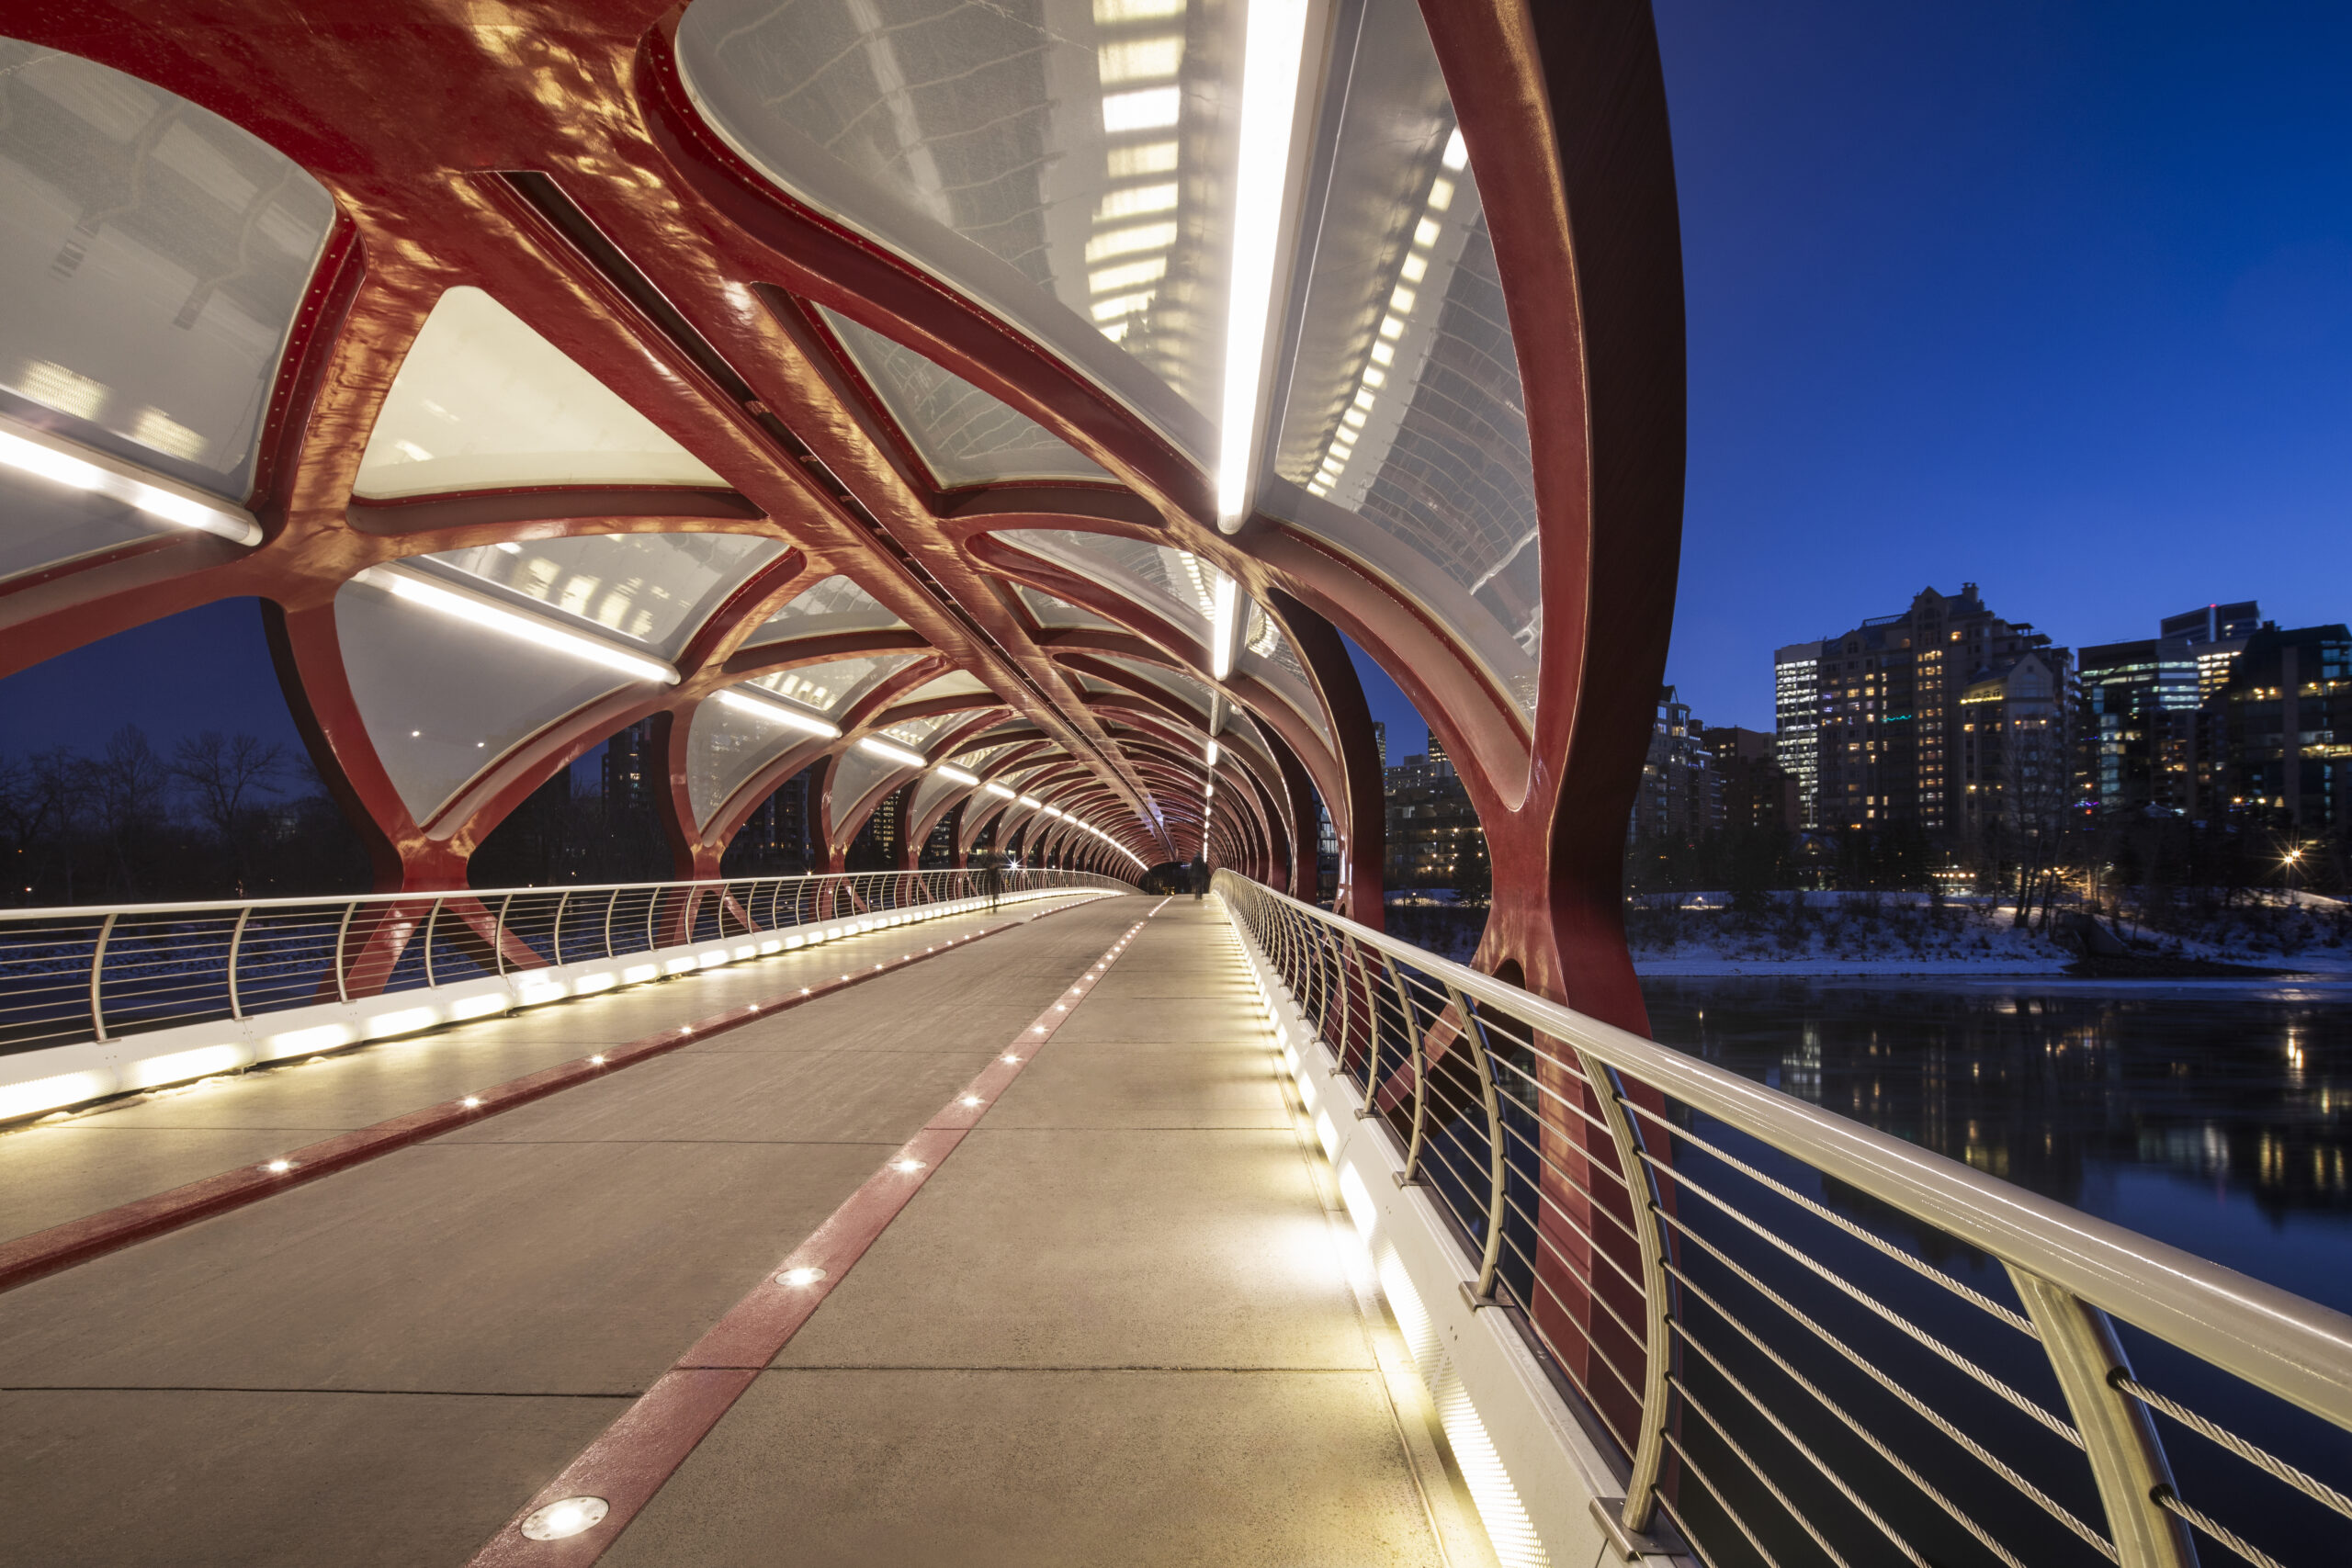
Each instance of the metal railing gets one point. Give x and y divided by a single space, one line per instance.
69 975
1810 1341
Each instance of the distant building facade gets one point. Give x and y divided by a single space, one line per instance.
1432 826
1796 720
1757 793
2287 728
1681 796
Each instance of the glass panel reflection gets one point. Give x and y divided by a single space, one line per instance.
832 686
836 604
655 588
1065 162
152 257
1405 424
963 434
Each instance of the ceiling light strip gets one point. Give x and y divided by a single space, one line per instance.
474 609
28 449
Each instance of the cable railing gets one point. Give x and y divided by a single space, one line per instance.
73 976
1809 1341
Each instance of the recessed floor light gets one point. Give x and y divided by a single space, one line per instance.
471 1103
1009 1058
563 1519
595 1061
907 1165
974 1099
801 1277
279 1166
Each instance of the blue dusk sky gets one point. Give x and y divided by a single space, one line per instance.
2056 299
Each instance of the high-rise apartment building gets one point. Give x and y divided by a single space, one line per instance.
2287 720
2010 759
1888 748
1681 796
1379 743
1438 759
1757 793
2217 633
1796 719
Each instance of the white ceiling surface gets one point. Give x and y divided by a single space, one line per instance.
725 746
153 258
955 683
444 698
830 687
484 403
654 589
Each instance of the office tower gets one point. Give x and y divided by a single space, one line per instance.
2287 728
1380 743
1680 794
1796 719
1754 789
2216 635
1438 761
2139 703
1890 708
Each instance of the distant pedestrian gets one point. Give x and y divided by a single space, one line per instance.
1200 877
992 878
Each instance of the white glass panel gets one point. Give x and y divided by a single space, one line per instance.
1267 654
973 761
963 434
836 604
152 257
913 732
43 522
1066 162
855 773
957 683
1405 427
484 402
1173 585
1052 612
656 588
934 789
725 746
444 698
1184 687
830 687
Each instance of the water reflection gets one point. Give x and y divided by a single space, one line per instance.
2113 1102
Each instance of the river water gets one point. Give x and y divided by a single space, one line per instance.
2216 1116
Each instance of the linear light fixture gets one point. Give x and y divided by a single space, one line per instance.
1214 751
874 745
1273 48
30 449
955 774
995 788
520 624
778 712
1226 603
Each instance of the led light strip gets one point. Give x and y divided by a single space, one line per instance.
477 610
602 1492
30 449
779 712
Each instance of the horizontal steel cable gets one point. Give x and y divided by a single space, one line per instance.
2031 1408
1723 1499
2309 1486
1789 1436
1920 1265
1918 1407
2218 1530
1868 1436
1788 1506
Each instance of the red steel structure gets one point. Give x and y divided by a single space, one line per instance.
621 181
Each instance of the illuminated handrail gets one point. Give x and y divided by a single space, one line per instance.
101 976
1775 1363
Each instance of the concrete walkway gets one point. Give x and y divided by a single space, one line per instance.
1116 1324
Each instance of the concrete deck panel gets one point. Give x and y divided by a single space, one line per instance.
1115 1324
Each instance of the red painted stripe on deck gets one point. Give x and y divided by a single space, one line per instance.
42 1253
635 1456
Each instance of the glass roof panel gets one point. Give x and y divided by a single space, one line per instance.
442 698
955 683
1267 654
484 402
915 731
830 687
856 772
1405 426
655 588
1174 584
152 257
725 746
1191 691
47 523
963 434
836 604
1052 612
1064 163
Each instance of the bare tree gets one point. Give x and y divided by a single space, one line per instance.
124 788
226 776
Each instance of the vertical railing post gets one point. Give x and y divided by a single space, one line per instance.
1412 1172
1648 1220
431 919
612 900
1473 1034
2127 1460
341 933
498 931
554 933
98 973
236 945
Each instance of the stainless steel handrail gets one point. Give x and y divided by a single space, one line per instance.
2071 1270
